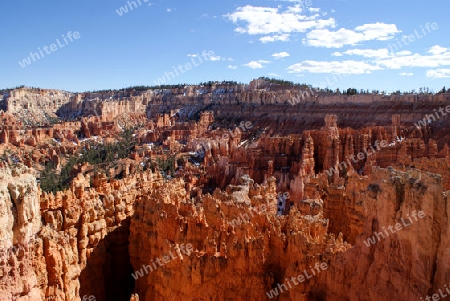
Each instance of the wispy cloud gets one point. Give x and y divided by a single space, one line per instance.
369 53
436 49
214 58
438 73
437 56
282 38
280 55
380 59
338 39
275 23
256 64
344 67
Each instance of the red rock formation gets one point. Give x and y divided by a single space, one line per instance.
373 204
258 248
20 247
340 171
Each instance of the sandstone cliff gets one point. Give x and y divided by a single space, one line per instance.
232 212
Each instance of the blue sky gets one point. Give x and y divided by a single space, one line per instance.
326 43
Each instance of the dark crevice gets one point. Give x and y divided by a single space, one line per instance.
107 275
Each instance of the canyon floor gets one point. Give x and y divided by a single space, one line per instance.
224 192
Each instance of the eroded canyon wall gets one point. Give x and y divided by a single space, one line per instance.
109 236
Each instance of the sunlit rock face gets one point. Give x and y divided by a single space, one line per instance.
237 238
227 192
20 221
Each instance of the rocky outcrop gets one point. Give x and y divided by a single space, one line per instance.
204 206
94 224
81 247
20 247
35 106
236 239
404 263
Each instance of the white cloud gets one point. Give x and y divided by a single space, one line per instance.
303 4
232 67
404 52
380 59
214 58
382 53
255 20
282 38
280 55
370 53
436 49
169 10
344 67
337 39
378 31
295 9
438 73
329 39
314 10
436 58
256 64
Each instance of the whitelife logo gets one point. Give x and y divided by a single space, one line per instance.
204 147
407 39
124 9
245 218
361 156
318 266
186 250
436 297
196 61
373 240
427 118
48 50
